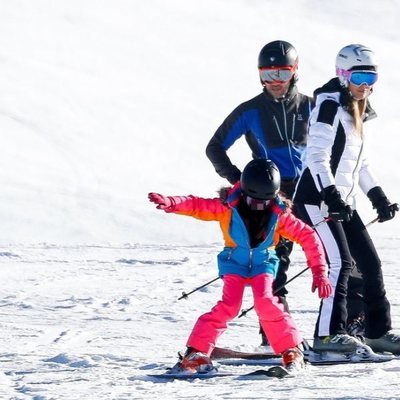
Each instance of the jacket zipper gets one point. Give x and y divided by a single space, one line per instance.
287 138
293 123
277 127
248 243
354 172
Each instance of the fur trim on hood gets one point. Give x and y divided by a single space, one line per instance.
223 193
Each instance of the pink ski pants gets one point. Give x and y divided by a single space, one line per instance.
278 325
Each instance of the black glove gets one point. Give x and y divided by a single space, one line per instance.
381 203
338 210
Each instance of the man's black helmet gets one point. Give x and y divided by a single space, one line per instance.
260 179
277 54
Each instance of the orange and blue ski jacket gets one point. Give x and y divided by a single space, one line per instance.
238 257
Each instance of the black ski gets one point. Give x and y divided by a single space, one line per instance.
222 353
273 372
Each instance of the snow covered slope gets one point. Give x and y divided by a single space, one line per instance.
90 322
103 101
100 103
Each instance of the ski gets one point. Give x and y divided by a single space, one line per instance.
334 358
233 357
188 376
220 353
249 361
272 372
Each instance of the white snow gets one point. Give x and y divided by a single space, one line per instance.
102 102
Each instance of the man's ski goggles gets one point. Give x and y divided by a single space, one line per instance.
359 78
277 74
256 204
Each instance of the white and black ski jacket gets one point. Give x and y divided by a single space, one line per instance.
335 153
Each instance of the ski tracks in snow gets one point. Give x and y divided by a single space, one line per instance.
92 321
82 316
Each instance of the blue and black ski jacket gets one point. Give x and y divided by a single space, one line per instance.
274 129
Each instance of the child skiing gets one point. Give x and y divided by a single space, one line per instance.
252 216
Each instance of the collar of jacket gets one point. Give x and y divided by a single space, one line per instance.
334 86
290 95
234 195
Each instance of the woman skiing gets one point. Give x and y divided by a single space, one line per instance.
252 216
335 165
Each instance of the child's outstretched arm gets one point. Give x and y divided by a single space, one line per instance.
163 202
197 207
297 231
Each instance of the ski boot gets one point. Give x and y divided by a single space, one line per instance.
341 343
196 361
356 327
389 342
293 359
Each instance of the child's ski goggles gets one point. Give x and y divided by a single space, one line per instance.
277 74
256 204
359 78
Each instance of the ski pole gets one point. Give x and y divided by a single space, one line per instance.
372 222
393 207
185 295
244 312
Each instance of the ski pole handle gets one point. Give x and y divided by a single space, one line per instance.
394 206
185 295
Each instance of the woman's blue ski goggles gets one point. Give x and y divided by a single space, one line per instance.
359 78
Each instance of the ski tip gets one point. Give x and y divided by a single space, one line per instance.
273 372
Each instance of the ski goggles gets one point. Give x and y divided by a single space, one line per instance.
358 78
277 74
256 204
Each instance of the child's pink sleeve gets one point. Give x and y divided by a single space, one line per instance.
197 207
297 231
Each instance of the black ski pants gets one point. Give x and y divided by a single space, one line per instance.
343 243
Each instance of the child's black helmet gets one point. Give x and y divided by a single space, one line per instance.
260 179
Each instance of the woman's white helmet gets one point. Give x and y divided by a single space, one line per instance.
354 57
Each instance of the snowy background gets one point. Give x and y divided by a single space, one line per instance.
100 103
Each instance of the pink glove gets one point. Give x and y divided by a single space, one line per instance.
321 282
163 202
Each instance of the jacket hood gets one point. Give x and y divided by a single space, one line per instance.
334 86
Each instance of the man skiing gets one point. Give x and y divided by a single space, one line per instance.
274 124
